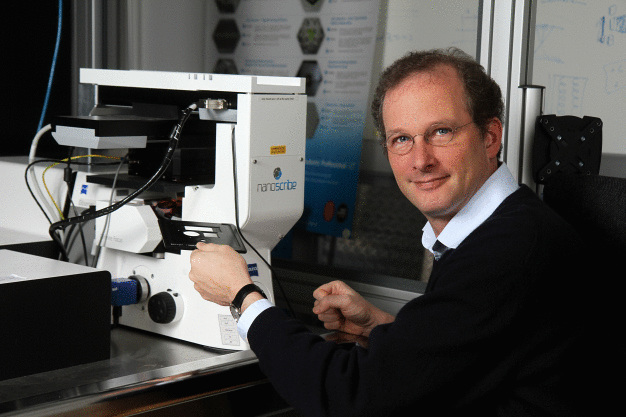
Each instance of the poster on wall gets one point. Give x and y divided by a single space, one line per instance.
331 44
581 61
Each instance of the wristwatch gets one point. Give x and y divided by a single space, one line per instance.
235 306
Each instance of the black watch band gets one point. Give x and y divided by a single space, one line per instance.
243 292
235 306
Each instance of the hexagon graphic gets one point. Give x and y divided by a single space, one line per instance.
225 66
310 35
312 119
312 5
227 6
226 35
311 72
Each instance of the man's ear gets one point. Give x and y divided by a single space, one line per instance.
493 137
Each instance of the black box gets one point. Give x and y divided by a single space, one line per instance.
54 314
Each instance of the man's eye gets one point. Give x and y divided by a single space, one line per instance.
398 141
401 140
441 131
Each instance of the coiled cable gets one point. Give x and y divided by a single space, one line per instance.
174 138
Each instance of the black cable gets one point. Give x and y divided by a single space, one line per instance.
71 237
30 190
69 177
54 161
280 286
68 235
70 188
174 138
84 244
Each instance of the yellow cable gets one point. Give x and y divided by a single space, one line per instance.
43 175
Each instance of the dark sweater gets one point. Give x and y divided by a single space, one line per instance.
497 332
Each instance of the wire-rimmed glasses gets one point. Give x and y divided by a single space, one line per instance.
439 134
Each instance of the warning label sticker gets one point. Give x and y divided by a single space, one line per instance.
278 150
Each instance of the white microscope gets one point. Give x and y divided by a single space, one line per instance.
252 198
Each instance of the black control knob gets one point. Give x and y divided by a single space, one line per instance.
162 307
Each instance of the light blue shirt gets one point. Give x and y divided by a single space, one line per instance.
498 187
493 192
249 314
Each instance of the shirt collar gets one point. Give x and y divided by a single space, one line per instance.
493 192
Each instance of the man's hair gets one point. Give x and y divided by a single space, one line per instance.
483 95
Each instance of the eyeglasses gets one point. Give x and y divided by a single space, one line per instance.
439 134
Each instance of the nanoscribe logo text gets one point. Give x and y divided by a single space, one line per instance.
286 185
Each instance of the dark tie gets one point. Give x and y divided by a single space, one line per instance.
439 249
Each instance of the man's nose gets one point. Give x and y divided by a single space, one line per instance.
422 155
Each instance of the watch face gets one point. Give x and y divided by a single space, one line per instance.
234 311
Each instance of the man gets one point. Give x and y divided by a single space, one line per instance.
497 330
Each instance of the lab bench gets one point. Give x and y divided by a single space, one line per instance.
148 375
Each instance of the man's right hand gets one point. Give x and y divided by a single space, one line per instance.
341 308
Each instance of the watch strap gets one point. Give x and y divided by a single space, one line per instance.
243 293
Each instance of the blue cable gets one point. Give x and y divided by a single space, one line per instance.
54 63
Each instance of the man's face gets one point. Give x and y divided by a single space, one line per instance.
439 181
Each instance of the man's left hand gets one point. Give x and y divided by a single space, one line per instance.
218 272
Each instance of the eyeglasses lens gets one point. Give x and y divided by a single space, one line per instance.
437 135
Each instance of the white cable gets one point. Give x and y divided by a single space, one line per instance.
107 222
35 142
39 194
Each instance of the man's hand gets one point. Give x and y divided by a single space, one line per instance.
218 272
341 308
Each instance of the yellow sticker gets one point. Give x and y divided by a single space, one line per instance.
278 150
